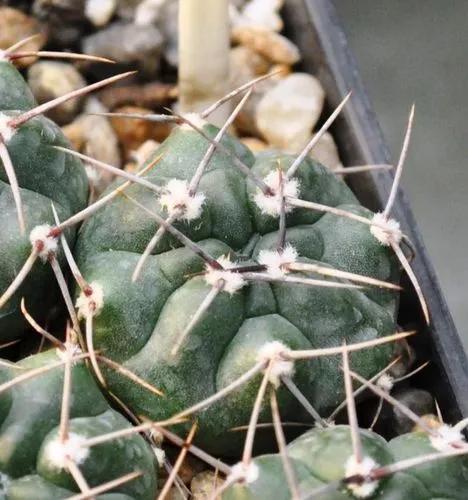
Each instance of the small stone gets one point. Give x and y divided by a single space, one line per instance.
203 485
255 145
246 121
149 11
269 44
141 156
419 401
169 26
288 112
94 136
326 152
100 12
126 9
430 421
175 494
51 79
127 43
132 133
245 65
262 14
190 468
16 26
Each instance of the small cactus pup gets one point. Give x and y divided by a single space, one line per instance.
33 176
336 462
55 430
324 467
209 266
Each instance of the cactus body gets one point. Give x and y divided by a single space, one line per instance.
29 419
44 175
140 322
319 457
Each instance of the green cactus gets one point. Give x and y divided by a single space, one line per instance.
139 323
325 456
31 456
44 175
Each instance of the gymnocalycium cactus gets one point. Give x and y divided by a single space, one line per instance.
345 462
33 175
321 459
43 432
191 320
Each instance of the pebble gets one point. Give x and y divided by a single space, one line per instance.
261 14
100 12
245 65
95 137
269 44
132 133
255 145
127 43
141 155
16 26
203 485
169 27
430 421
126 9
417 400
326 152
246 121
288 112
51 79
149 11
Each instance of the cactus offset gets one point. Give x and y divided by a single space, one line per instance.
35 450
33 176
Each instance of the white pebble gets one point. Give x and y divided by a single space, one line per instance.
288 112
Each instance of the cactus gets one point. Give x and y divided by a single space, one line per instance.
337 462
216 290
324 457
180 315
40 431
33 176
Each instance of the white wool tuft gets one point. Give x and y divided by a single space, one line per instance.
179 203
40 234
446 437
233 282
160 455
241 472
58 453
363 468
194 118
70 352
271 205
386 382
90 304
273 352
392 233
275 261
6 132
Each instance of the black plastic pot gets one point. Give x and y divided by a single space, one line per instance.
314 26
